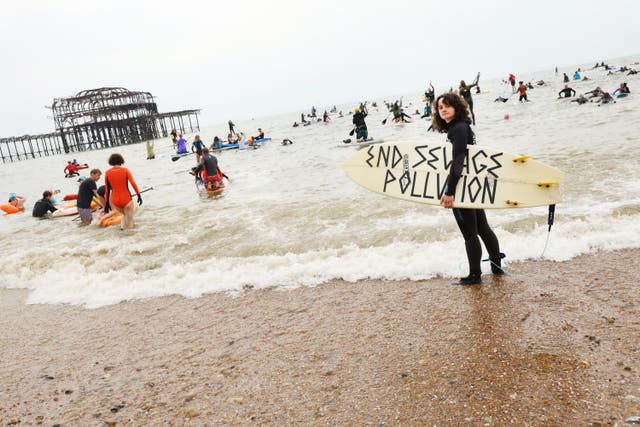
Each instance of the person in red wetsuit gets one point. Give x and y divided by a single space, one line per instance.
116 183
512 80
71 170
209 171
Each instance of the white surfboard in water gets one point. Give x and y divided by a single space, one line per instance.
491 178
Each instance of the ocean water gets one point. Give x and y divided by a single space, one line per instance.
292 218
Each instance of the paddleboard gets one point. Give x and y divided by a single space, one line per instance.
205 193
418 171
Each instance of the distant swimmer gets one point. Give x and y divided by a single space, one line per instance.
295 124
580 100
451 115
565 78
465 91
605 98
577 76
44 206
567 92
501 99
325 117
595 92
287 141
197 146
622 90
181 145
117 196
302 119
340 114
522 90
361 127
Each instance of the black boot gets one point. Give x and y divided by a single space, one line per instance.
471 279
496 265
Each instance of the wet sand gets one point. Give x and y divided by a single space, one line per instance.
554 343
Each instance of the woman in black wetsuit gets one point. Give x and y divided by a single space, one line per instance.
451 115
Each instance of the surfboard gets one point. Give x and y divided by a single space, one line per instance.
418 171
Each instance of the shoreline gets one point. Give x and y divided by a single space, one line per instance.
554 343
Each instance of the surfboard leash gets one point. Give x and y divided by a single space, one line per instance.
550 218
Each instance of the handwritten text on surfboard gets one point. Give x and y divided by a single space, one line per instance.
480 172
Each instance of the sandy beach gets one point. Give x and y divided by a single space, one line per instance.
553 343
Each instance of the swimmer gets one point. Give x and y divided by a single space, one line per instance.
567 92
287 141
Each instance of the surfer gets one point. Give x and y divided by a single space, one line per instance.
44 205
361 127
116 183
451 115
430 94
231 126
567 92
465 92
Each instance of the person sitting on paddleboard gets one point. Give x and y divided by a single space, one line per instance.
260 134
71 170
44 205
451 115
361 127
209 171
197 146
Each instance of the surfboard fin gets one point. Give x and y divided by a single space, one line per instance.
513 203
522 159
548 184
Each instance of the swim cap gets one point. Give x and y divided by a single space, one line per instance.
357 110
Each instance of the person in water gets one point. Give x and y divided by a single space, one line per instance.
427 111
512 80
86 192
325 117
565 78
522 90
208 171
595 92
117 196
181 145
287 141
362 134
567 92
451 115
44 206
16 201
71 170
260 134
151 154
197 146
623 89
605 99
465 91
174 138
430 94
580 100
231 128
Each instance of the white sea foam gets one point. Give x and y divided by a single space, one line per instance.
292 218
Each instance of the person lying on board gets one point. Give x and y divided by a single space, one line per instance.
44 205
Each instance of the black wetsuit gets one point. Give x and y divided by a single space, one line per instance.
86 193
361 126
465 92
210 163
198 145
41 207
567 92
472 222
231 126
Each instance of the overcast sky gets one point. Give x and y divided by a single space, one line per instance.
240 59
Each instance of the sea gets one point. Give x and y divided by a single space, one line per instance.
291 217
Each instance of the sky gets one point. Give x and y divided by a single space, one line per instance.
242 59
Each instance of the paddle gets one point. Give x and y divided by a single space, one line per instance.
143 191
352 131
384 122
174 158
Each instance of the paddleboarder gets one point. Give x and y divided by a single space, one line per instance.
452 116
361 127
465 92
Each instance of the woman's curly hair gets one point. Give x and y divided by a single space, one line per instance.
459 105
